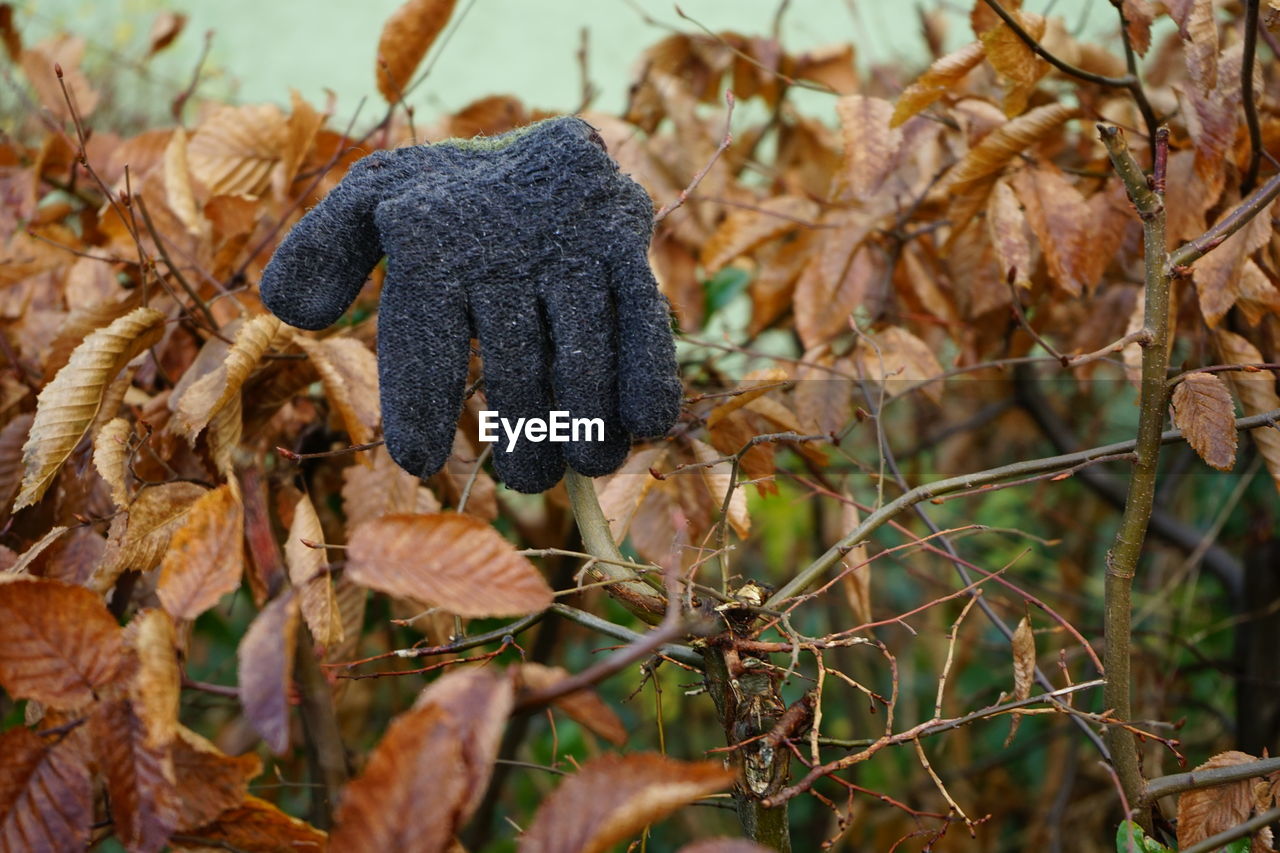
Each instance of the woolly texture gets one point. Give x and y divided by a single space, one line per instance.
534 243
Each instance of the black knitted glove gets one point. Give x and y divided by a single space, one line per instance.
532 242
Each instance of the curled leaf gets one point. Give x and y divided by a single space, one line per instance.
1024 668
406 37
68 405
941 77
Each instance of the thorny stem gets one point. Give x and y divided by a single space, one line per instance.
1122 559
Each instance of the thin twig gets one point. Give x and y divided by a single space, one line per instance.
1246 95
725 142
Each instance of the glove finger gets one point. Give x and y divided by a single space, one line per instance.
517 382
649 389
584 368
424 344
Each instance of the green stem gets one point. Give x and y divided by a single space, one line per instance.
1122 559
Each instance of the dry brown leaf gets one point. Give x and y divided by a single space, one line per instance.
1203 410
46 799
898 359
452 561
1062 222
257 826
157 682
68 405
1024 668
111 457
584 707
9 34
1007 227
139 777
724 845
1138 15
349 373
971 179
139 537
871 143
430 771
178 192
752 387
1199 33
303 124
1020 69
406 37
744 230
234 150
622 492
206 555
1257 392
308 572
823 398
25 560
614 797
12 437
38 64
718 478
265 656
382 488
840 277
197 404
1206 812
941 77
164 29
208 781
62 661
1218 274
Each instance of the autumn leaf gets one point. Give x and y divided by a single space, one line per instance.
139 537
745 229
622 492
382 488
898 359
1024 669
1203 410
1207 811
1019 67
235 148
857 564
583 706
1199 33
823 397
614 797
1138 15
111 457
406 37
139 776
63 661
970 181
938 80
1219 273
207 781
46 799
257 826
38 64
265 660
157 682
166 27
309 575
349 373
452 561
1007 227
71 402
198 403
1257 392
724 845
1061 220
430 770
206 555
871 144
718 475
12 436
178 192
